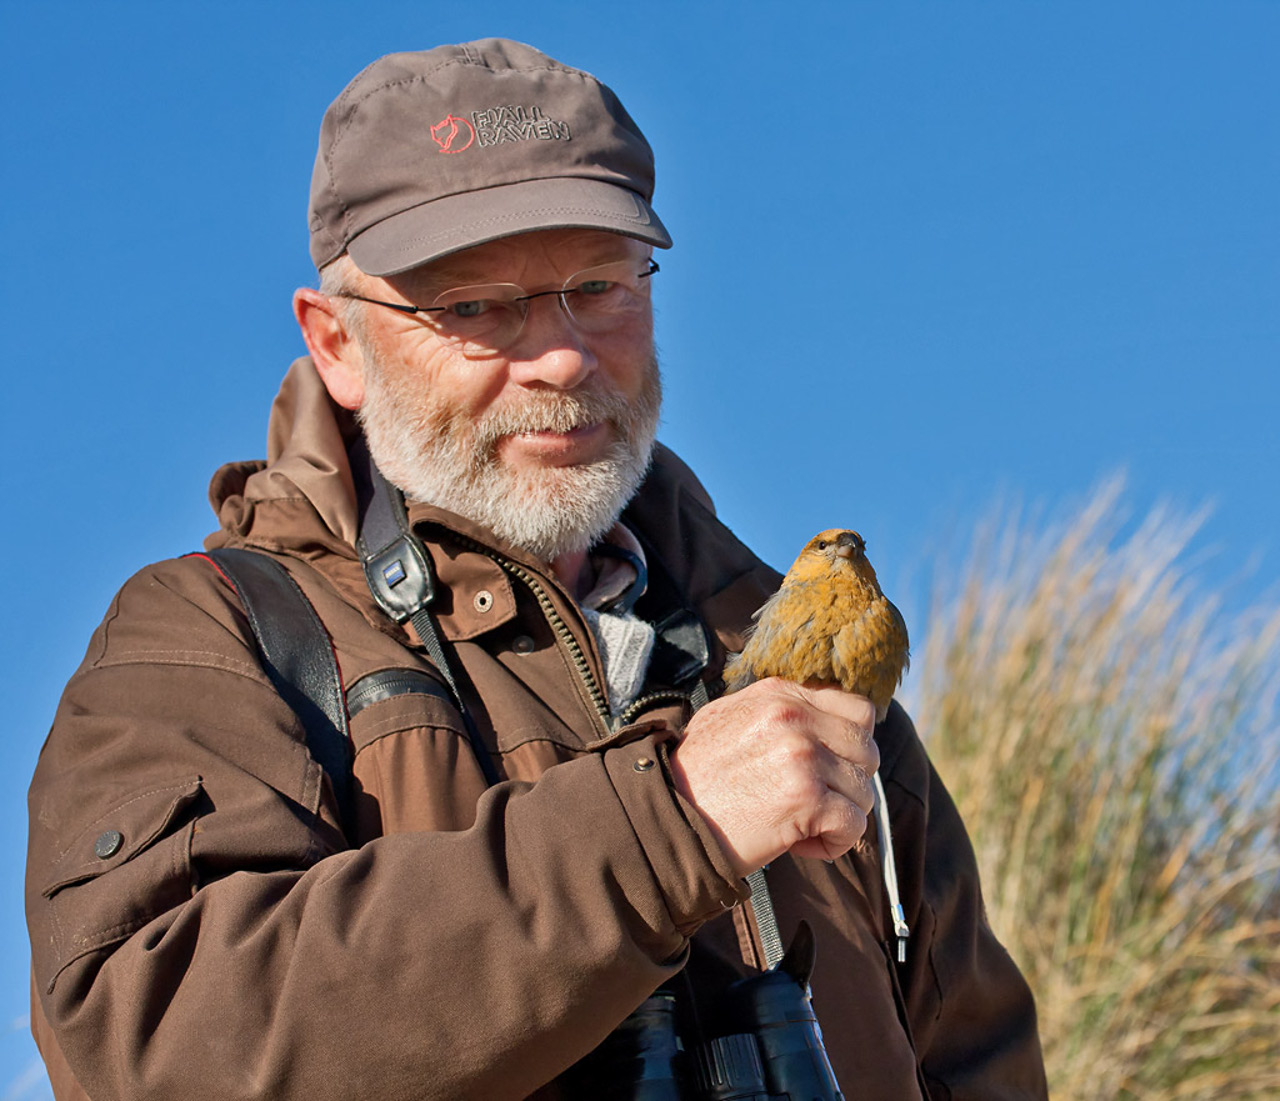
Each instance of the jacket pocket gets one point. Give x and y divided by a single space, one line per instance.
129 865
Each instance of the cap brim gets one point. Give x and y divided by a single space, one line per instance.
447 225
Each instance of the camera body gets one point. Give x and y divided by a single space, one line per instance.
763 1045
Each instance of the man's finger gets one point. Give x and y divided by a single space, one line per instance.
851 781
837 825
836 701
845 725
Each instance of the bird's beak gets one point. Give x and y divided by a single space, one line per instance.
848 543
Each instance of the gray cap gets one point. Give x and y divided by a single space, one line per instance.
427 153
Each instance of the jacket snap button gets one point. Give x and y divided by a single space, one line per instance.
643 764
483 600
522 644
108 844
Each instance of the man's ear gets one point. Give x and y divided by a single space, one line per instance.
333 347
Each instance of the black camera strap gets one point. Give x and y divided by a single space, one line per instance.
766 919
401 578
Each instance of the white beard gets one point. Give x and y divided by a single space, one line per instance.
438 457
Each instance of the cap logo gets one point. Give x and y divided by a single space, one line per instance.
512 123
453 134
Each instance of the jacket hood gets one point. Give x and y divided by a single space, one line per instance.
306 476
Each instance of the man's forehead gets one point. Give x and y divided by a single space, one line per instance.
548 252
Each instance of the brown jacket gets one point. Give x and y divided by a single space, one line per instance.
232 943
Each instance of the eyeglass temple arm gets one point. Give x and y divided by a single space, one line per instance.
402 307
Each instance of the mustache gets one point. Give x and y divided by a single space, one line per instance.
548 412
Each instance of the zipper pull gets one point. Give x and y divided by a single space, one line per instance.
902 930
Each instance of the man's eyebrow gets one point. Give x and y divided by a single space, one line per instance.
454 276
439 279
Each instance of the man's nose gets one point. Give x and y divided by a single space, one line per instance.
550 350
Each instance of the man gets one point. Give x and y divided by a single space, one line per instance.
205 921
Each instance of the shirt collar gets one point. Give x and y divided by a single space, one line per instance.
621 574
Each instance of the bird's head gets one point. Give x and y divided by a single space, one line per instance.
830 551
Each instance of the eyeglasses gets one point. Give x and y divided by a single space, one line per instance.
487 319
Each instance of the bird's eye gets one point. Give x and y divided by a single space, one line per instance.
822 544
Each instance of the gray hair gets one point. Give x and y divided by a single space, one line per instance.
341 276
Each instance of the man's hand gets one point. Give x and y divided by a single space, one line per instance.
779 767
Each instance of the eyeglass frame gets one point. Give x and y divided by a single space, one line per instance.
406 308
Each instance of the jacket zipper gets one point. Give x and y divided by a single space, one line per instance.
611 723
637 705
558 625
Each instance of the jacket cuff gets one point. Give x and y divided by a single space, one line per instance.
690 867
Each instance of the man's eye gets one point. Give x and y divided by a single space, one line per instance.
595 286
473 308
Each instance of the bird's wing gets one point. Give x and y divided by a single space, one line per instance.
770 639
849 657
901 625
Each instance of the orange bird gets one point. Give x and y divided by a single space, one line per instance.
828 622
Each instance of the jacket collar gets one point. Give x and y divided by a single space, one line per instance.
302 502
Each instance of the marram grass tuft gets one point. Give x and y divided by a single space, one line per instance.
1112 739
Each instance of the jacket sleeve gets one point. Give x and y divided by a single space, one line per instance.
971 1013
199 929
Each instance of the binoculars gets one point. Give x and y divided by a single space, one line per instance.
764 1045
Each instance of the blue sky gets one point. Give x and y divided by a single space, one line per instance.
927 256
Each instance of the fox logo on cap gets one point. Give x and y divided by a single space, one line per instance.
451 130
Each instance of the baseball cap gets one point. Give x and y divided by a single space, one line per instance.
427 153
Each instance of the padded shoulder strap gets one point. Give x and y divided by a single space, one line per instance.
298 658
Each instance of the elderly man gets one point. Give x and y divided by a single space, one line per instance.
551 814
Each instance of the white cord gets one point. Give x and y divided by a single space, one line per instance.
900 928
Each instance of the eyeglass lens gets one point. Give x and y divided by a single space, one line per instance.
489 318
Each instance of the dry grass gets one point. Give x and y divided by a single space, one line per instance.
1112 740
